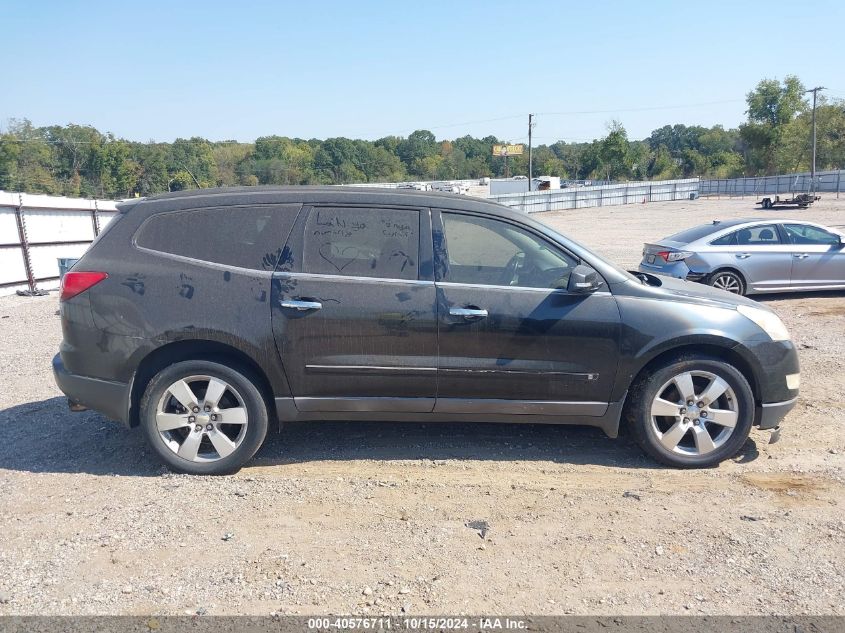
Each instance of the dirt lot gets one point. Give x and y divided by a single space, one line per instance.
350 518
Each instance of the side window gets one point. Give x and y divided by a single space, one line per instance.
758 235
248 237
725 240
491 252
362 242
805 234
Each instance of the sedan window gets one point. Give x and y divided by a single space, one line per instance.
758 235
806 234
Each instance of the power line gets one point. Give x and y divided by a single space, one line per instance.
643 109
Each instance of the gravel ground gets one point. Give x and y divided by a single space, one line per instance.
381 518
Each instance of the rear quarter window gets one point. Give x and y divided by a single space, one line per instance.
243 236
725 240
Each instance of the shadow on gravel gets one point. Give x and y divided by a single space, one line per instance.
781 296
44 437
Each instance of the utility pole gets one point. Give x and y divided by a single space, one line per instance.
815 92
530 154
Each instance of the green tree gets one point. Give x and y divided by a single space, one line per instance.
772 106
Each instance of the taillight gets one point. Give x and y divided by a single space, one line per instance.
74 283
674 256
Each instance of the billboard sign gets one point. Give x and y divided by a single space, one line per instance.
508 150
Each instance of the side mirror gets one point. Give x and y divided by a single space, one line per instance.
583 279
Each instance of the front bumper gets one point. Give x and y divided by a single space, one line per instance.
769 415
109 398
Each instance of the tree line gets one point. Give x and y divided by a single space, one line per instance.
79 160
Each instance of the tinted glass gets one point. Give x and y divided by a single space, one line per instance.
804 234
491 252
363 242
758 235
695 233
249 237
725 240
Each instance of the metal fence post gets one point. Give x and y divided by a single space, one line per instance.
27 261
838 178
95 219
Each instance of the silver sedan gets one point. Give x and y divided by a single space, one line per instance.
753 256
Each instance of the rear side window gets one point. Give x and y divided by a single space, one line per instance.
244 236
754 235
766 234
363 242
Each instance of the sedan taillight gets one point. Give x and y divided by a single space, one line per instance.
75 283
674 256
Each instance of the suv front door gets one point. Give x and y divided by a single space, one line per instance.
511 336
353 316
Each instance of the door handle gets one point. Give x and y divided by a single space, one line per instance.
801 255
299 304
743 255
468 313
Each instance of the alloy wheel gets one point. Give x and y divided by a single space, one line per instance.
694 413
727 282
202 418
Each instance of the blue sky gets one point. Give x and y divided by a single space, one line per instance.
239 70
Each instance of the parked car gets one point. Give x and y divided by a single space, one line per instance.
752 256
204 317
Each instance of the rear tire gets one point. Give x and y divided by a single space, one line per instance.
729 281
204 418
700 435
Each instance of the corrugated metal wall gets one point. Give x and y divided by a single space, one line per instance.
36 230
826 181
600 196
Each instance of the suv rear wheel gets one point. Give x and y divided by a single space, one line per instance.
203 418
692 413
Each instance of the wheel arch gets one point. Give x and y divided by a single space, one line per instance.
694 350
195 349
730 269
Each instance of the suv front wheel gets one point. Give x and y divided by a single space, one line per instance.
203 418
692 413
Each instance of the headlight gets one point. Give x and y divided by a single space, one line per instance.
769 322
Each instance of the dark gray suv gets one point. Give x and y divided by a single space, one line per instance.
205 316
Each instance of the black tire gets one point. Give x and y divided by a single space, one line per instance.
644 392
245 385
728 278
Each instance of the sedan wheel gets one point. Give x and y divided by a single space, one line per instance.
728 281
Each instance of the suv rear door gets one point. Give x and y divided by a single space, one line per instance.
354 313
511 337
